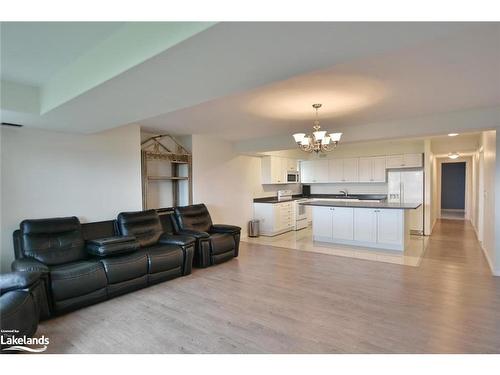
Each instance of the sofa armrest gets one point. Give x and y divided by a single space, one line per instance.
199 235
224 228
176 239
29 265
17 280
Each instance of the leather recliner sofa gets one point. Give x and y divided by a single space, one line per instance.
83 265
22 301
215 243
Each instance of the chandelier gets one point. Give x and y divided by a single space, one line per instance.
319 141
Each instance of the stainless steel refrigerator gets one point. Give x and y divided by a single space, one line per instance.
407 186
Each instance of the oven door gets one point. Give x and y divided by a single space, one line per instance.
300 211
292 177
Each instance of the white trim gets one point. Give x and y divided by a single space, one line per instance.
490 263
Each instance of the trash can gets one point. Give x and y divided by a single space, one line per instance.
254 228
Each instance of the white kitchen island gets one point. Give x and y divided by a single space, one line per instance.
378 225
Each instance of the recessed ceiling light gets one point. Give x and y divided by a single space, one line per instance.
453 155
452 134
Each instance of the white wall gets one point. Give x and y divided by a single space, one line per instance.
227 182
428 196
49 174
489 143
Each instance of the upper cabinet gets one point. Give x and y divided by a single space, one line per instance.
343 170
404 161
347 170
314 171
291 165
371 169
274 169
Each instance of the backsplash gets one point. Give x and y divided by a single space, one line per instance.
357 188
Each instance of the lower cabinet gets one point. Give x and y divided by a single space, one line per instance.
380 228
275 218
333 223
365 224
390 227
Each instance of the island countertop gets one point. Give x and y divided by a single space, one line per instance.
361 204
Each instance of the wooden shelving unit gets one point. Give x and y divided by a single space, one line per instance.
156 149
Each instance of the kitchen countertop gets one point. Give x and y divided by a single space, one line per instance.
361 204
381 197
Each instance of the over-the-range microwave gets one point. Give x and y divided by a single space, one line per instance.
292 177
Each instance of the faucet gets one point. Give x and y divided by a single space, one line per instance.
344 192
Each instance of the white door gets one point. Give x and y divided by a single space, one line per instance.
306 172
322 222
365 169
351 170
277 170
390 226
320 171
342 223
378 169
365 225
336 170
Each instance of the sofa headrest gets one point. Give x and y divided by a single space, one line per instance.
50 226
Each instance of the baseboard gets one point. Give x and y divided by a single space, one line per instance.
494 272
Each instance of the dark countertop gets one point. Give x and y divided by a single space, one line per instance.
361 204
381 197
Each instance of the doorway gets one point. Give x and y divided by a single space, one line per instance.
453 181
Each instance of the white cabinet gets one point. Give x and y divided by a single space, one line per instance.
333 223
365 225
371 169
306 172
274 169
383 228
368 227
351 170
379 169
342 222
390 227
343 170
290 165
404 161
336 170
322 222
314 171
363 169
275 218
320 171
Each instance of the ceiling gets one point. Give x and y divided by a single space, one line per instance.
248 81
449 74
32 52
463 143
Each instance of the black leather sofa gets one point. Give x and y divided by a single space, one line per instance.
22 301
84 264
215 243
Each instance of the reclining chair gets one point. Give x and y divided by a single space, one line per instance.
22 300
168 255
215 243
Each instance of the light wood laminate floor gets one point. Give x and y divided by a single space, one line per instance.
274 300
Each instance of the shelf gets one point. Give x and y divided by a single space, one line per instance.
161 178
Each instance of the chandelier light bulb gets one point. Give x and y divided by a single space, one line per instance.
299 137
